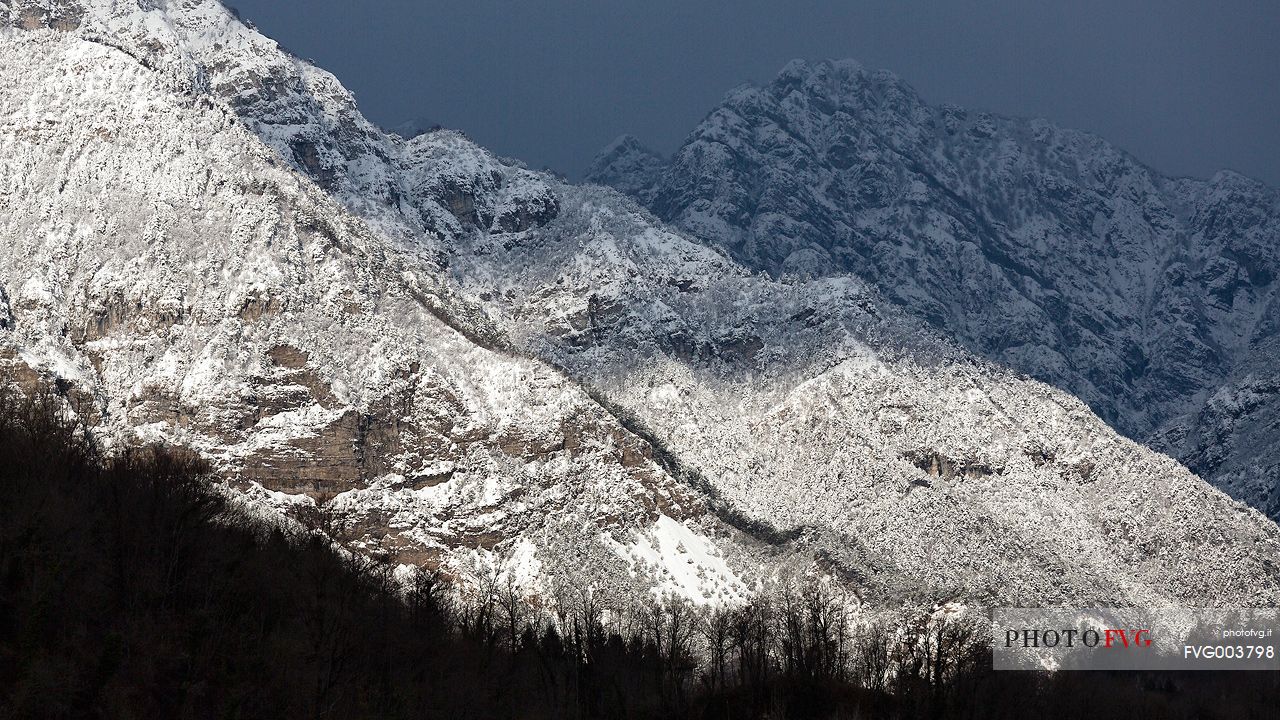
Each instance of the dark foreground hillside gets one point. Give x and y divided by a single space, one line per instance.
130 588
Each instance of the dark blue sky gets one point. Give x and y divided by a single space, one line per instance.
1189 87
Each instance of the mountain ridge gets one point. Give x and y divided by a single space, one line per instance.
881 452
1142 294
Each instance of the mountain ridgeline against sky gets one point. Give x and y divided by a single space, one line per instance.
447 359
1050 251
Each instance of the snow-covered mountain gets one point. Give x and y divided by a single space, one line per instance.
1153 299
442 355
410 129
189 286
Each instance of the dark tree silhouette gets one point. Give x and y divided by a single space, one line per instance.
133 586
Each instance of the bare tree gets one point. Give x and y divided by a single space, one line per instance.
752 637
874 654
716 628
513 610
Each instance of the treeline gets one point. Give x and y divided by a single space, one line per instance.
130 587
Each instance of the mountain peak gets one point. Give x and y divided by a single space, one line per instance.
626 164
1045 249
802 68
625 144
836 79
411 129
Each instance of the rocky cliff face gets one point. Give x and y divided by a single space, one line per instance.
208 295
1047 250
439 354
